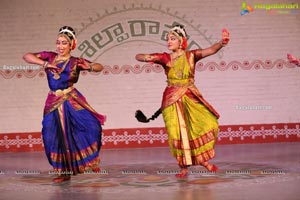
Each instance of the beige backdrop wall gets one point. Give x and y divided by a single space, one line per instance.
248 82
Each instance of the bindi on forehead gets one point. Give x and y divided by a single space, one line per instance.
170 35
62 38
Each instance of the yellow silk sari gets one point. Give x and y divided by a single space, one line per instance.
191 122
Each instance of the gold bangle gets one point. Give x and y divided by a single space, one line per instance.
222 44
91 68
45 64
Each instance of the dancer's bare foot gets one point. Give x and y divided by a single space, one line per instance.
210 167
96 169
183 174
61 179
213 168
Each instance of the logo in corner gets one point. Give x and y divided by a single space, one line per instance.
245 9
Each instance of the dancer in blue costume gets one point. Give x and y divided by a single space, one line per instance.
71 127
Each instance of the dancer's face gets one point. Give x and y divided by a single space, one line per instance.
173 42
63 47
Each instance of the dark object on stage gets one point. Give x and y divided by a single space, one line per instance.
139 115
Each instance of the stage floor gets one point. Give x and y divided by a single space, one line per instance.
247 171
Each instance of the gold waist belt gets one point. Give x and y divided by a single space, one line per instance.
60 92
180 82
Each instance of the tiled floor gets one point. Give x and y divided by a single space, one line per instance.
248 171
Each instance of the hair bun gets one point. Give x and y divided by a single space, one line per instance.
69 31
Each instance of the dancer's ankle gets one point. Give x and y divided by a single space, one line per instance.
210 167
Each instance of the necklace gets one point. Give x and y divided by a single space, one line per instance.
60 60
180 70
56 75
176 56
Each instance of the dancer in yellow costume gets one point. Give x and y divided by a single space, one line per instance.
191 122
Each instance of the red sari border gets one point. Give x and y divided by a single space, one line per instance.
197 159
197 142
157 137
79 155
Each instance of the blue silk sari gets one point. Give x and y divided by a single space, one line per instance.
72 129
